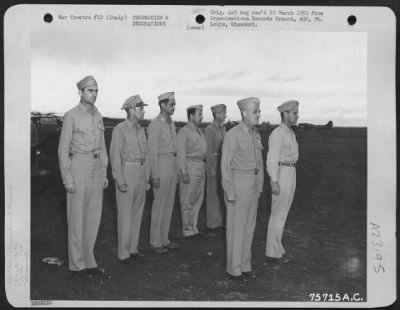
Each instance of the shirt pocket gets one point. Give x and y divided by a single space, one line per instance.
83 128
130 140
287 147
166 135
246 144
83 134
194 139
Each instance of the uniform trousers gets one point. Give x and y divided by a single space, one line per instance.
164 199
84 208
215 201
241 221
191 197
130 206
280 206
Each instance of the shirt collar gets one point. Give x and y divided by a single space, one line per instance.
131 124
91 109
244 127
217 124
284 127
191 126
167 119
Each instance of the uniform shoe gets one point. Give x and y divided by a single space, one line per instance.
98 273
278 260
171 245
216 229
240 278
197 236
137 256
249 274
190 237
127 261
201 235
159 249
81 274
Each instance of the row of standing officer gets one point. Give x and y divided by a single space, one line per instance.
243 179
135 160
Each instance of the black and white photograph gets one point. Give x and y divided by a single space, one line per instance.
209 156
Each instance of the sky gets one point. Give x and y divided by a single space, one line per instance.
325 72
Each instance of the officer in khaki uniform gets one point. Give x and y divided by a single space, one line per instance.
128 154
192 148
164 173
215 133
283 153
83 163
242 180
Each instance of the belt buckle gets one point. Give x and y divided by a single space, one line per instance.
95 155
256 171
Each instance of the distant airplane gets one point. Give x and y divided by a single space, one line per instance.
312 126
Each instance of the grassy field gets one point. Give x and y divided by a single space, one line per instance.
325 232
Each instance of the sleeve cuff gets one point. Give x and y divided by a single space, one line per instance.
120 181
68 180
230 195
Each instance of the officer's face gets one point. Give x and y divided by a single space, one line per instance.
169 107
252 116
139 112
221 116
293 116
197 117
89 94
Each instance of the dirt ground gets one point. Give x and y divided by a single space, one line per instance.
325 233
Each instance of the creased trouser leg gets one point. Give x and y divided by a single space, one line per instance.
84 209
130 209
164 199
191 198
241 219
280 207
139 200
215 202
249 231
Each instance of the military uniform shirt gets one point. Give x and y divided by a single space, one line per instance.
129 144
162 140
190 143
282 147
214 135
241 150
82 133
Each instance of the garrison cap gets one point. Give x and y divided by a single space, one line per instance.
166 96
218 108
197 107
133 102
86 82
248 103
288 105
